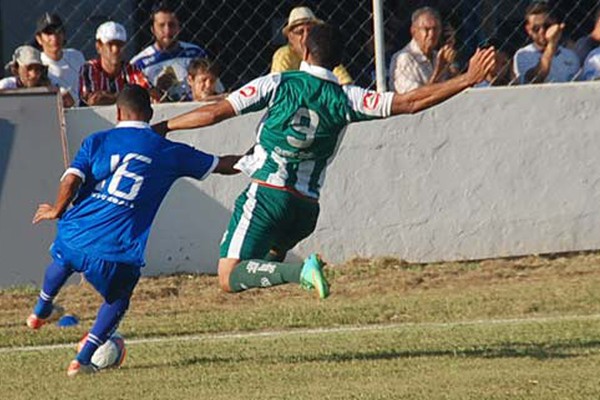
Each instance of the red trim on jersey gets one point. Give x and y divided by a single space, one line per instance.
286 189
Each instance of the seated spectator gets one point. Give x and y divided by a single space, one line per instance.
288 57
586 44
502 73
28 70
165 62
544 60
63 64
202 79
591 67
102 79
418 63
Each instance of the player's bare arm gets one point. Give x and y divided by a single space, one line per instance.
197 118
482 62
66 192
226 165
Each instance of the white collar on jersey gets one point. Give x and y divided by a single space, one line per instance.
319 72
133 124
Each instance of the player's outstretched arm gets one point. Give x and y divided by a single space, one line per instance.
197 118
226 165
482 62
66 191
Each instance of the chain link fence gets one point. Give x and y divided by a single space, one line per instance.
242 35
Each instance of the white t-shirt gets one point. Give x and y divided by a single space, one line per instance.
8 83
565 64
65 72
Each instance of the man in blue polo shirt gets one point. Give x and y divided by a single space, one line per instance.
116 183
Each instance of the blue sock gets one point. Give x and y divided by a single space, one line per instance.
106 324
54 279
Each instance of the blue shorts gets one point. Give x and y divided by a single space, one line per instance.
112 280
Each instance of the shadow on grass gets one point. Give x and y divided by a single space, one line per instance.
508 350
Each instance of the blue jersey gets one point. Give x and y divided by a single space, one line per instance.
126 173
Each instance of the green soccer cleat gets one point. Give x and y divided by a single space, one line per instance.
311 276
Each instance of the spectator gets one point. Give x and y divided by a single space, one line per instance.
202 78
28 70
591 66
544 60
587 43
63 64
418 63
501 75
102 79
165 62
288 57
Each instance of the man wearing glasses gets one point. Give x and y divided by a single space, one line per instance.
288 57
544 60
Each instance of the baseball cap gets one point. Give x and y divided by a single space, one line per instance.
109 31
49 23
27 55
298 16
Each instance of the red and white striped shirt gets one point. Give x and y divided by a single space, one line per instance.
94 79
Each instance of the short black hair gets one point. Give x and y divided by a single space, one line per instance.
537 8
135 99
163 6
325 45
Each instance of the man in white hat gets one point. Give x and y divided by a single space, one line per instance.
289 57
102 78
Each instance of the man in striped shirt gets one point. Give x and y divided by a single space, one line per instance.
102 79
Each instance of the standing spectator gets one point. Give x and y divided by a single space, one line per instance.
103 78
63 64
587 43
418 63
288 57
544 60
165 61
203 75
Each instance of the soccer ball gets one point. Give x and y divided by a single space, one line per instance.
110 355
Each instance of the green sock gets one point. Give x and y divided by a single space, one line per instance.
260 274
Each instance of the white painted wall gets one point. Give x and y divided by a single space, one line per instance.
491 173
31 162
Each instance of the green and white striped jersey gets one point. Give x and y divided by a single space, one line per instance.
307 114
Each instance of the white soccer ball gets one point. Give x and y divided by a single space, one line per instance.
110 355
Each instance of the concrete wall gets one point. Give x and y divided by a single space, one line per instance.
31 161
490 173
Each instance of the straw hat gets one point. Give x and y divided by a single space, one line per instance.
299 16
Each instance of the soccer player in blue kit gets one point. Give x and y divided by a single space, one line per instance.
116 183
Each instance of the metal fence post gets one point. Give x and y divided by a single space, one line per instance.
379 45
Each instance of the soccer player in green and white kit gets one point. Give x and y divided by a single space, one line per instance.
307 113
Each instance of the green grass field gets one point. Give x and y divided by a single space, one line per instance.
525 328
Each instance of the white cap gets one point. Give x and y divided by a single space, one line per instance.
298 16
27 55
109 31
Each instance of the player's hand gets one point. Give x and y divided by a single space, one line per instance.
481 64
554 33
45 212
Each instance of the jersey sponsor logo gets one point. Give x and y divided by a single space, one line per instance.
371 101
248 91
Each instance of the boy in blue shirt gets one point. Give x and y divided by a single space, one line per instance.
116 183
